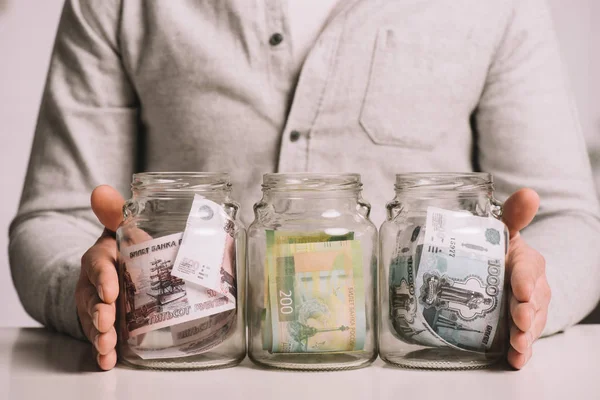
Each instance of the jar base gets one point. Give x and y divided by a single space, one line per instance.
198 363
315 362
441 359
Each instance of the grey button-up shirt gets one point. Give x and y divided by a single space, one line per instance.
389 87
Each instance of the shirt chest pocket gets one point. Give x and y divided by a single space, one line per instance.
417 91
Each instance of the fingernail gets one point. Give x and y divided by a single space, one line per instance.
95 318
100 292
96 341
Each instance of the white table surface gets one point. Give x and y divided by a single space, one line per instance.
36 364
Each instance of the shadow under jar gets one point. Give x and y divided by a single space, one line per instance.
166 322
443 286
312 268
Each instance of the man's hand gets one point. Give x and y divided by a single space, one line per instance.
530 295
98 285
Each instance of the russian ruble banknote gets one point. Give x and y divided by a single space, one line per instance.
206 258
314 293
274 239
185 339
447 281
185 281
154 298
403 298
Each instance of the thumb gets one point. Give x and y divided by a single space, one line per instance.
107 204
519 209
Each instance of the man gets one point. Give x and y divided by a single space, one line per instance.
376 87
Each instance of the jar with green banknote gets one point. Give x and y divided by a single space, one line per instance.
312 274
181 266
442 274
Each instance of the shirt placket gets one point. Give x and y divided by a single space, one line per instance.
280 50
311 88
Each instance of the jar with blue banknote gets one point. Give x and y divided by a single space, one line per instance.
311 274
181 266
442 272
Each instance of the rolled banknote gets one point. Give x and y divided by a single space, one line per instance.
188 338
403 298
206 256
156 299
274 239
460 278
316 297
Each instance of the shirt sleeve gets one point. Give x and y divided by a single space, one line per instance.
85 136
529 136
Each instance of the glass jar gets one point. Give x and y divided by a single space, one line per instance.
442 273
165 320
312 268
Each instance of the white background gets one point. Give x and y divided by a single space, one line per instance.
27 29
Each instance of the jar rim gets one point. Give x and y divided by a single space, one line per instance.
455 181
184 181
309 181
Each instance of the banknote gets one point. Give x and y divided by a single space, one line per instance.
276 238
316 297
460 278
153 297
188 338
403 297
199 329
206 256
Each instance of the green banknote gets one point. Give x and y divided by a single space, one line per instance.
315 295
274 239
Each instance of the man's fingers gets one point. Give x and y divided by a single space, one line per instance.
87 326
90 306
135 235
522 282
526 267
102 315
100 268
528 304
523 314
98 286
105 342
529 320
539 323
520 340
83 293
107 204
518 360
519 209
107 361
542 295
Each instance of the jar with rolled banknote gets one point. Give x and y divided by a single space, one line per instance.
443 297
311 274
181 266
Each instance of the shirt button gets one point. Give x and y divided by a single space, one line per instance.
294 136
275 39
